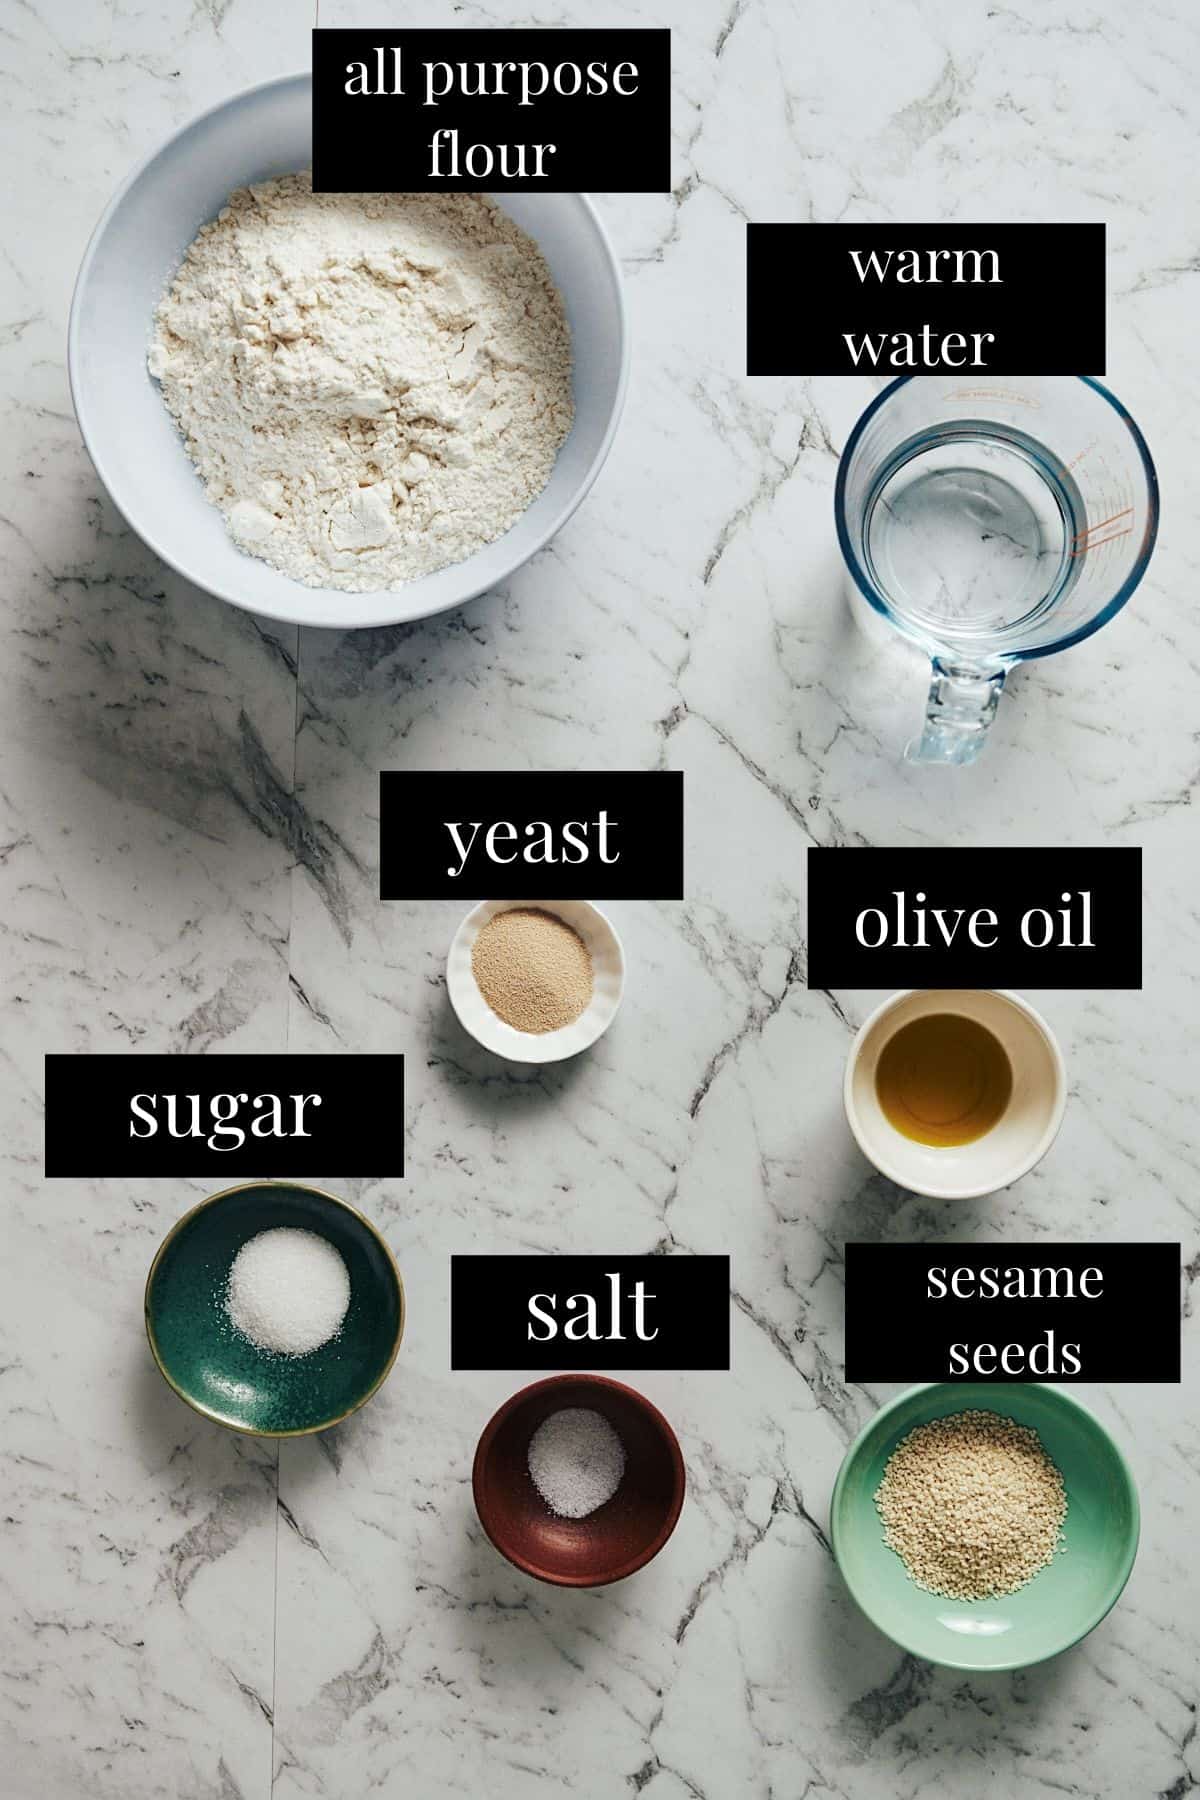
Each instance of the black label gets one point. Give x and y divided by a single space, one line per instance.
224 1115
589 1312
975 918
485 835
1012 1312
915 299
548 110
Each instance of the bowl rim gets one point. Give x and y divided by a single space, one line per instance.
559 1578
540 1048
359 616
1071 1636
961 1190
241 1187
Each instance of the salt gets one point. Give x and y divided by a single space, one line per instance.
576 1460
288 1291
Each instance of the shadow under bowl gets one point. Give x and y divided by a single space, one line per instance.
617 1539
221 1373
1062 1603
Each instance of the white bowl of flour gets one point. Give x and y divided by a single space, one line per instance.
243 539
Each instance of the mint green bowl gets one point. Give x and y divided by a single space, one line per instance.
221 1373
1062 1603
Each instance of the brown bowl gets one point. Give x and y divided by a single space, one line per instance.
620 1536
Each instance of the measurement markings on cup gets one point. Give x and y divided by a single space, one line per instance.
1083 541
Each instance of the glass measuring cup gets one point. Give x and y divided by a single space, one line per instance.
991 521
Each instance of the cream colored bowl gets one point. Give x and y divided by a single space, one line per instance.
1020 1137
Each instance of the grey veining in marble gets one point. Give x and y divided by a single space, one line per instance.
189 851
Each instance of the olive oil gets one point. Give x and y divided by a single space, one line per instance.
943 1080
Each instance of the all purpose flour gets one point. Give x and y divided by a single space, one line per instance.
372 386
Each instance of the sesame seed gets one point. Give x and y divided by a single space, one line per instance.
972 1505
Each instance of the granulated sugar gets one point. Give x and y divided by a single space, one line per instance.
972 1505
576 1460
288 1291
533 970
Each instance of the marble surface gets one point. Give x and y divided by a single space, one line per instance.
189 853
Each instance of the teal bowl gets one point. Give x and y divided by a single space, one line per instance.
221 1373
1062 1603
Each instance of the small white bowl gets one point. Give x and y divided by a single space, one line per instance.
1018 1140
608 984
139 456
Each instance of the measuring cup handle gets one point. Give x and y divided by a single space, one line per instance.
961 705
